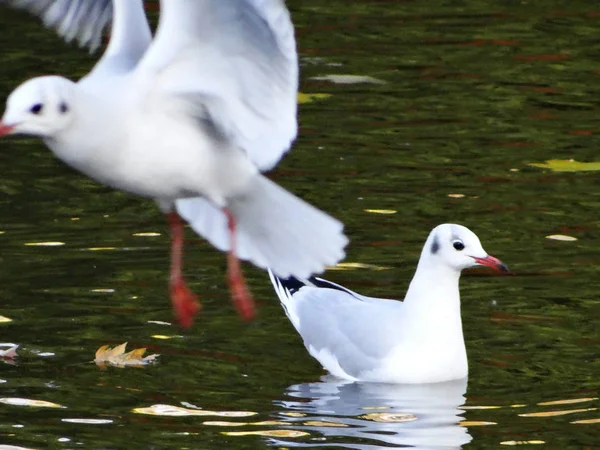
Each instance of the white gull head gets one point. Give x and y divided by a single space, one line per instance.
457 248
41 106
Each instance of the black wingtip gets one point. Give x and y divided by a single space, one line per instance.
292 284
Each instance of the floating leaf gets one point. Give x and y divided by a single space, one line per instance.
9 353
568 402
480 407
269 433
117 357
44 244
561 237
5 319
348 79
476 423
456 195
221 423
309 98
556 413
15 401
356 265
170 410
587 421
568 165
322 423
381 211
13 447
389 417
522 442
293 414
88 421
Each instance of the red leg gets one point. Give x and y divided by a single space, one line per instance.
242 299
185 305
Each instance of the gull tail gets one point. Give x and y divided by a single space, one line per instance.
284 233
275 229
285 288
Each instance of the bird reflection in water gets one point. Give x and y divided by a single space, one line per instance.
370 416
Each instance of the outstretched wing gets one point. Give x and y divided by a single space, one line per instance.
234 60
83 20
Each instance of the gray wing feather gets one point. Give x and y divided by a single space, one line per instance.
238 57
83 20
357 331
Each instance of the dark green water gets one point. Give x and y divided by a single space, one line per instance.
474 92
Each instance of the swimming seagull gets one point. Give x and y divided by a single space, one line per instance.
188 118
419 340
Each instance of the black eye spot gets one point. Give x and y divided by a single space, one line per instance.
435 246
458 245
63 108
36 109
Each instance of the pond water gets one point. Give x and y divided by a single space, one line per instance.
455 100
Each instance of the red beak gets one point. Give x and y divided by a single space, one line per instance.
492 262
5 129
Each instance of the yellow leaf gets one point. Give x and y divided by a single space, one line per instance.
568 401
389 417
587 421
356 265
320 423
118 358
309 98
16 401
380 211
561 237
556 413
568 165
475 423
269 433
171 410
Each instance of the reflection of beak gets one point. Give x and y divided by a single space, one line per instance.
492 262
6 129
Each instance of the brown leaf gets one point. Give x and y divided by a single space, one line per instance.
117 357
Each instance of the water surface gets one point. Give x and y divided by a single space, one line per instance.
469 94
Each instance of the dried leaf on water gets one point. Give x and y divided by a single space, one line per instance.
389 417
476 423
16 401
556 413
309 98
117 357
349 79
587 421
561 237
269 433
356 265
568 165
176 411
569 401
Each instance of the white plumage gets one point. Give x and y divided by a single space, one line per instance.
189 119
418 340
